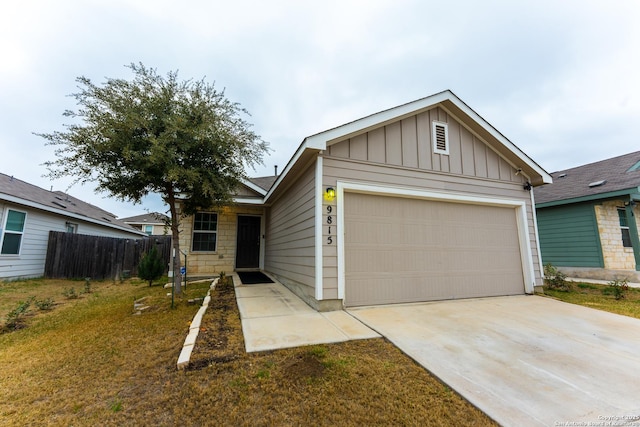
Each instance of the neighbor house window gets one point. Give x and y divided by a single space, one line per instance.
624 228
72 228
148 229
205 232
440 137
12 232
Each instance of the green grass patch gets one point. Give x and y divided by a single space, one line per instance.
601 297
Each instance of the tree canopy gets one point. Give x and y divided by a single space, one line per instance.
156 134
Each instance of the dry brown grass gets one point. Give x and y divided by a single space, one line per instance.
92 362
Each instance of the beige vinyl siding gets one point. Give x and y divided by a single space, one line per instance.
369 173
290 231
408 143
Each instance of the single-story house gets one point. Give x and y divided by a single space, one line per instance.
588 218
424 201
152 223
29 212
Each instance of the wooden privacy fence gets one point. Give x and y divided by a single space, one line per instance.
77 255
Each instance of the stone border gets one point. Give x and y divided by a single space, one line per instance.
194 329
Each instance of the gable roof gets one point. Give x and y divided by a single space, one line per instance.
148 218
264 182
446 100
22 193
599 180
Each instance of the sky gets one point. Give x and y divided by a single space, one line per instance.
559 79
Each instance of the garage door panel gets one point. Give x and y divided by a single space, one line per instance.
404 250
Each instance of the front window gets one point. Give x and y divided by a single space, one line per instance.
12 232
624 228
205 232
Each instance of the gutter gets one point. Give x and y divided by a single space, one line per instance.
633 194
35 205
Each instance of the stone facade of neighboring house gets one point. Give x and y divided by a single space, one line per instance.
588 219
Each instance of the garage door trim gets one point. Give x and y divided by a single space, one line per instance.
518 205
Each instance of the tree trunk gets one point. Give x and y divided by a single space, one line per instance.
175 243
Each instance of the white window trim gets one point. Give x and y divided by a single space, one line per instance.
623 227
4 230
194 231
434 138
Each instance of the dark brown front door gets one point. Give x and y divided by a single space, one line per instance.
248 249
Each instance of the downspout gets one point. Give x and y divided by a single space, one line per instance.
537 236
633 229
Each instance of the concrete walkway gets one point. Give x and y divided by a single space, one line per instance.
524 360
273 317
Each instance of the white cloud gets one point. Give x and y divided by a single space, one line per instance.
557 78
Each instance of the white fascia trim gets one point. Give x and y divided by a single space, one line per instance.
286 170
320 140
64 213
248 201
318 229
546 178
519 205
254 187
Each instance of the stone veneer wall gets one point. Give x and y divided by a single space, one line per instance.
224 258
615 256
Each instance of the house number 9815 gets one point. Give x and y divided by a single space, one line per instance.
329 223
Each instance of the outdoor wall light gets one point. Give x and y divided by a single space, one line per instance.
527 186
330 194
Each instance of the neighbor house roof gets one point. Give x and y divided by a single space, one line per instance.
22 193
148 218
446 100
615 177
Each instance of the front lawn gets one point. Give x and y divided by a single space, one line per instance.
600 297
92 361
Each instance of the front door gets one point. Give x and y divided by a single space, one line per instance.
248 244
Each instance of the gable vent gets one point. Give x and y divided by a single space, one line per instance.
440 136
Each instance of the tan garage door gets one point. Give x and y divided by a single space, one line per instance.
404 250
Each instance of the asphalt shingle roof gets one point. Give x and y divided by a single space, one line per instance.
264 182
149 218
57 200
573 183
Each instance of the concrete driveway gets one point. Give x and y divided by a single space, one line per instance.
523 360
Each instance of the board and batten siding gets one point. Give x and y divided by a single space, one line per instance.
401 154
30 262
290 236
407 143
569 236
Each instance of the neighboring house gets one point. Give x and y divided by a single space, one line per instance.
29 212
588 218
424 201
152 224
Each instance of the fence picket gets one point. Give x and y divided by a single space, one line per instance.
77 255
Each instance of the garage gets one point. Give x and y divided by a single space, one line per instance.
399 250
